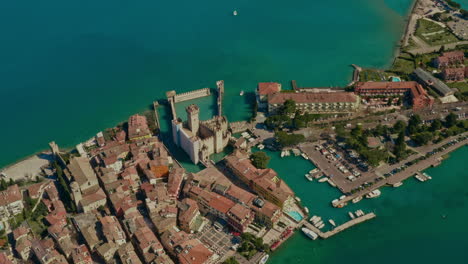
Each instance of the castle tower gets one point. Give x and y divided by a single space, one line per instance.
192 118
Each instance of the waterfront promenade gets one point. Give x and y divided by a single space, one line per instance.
338 229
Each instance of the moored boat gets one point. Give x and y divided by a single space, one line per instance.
264 259
324 179
234 13
357 199
398 184
304 156
332 222
309 233
375 193
351 215
306 209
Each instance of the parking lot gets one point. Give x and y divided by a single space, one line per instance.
337 166
219 241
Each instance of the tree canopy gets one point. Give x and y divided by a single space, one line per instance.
260 159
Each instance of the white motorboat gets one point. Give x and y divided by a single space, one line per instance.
351 215
306 209
313 218
298 199
264 259
241 92
309 177
324 179
332 222
331 183
375 193
234 13
398 184
304 156
321 226
357 199
309 233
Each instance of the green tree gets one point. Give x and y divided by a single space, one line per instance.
289 107
436 125
3 185
231 260
413 124
285 139
400 146
399 126
450 120
260 159
422 138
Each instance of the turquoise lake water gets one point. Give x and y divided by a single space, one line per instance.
69 69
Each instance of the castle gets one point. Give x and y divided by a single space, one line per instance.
200 139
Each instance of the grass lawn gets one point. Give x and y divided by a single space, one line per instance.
427 60
367 75
433 33
462 86
403 66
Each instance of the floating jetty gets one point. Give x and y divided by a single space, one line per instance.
336 230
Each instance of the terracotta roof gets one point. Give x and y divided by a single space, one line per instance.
221 203
240 194
450 71
240 212
265 88
321 97
174 182
81 170
137 126
10 195
194 252
188 209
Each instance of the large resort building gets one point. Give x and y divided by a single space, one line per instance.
419 96
200 139
271 98
319 102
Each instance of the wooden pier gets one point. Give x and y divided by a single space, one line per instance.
338 229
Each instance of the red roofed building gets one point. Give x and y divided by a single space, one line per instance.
240 217
264 181
186 249
138 127
419 96
148 245
453 74
174 182
11 203
81 255
4 259
112 230
449 58
320 102
264 89
188 213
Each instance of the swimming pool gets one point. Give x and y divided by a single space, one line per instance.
396 79
295 215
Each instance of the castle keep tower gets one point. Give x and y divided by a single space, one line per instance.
192 118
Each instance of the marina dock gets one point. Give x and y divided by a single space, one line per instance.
338 229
